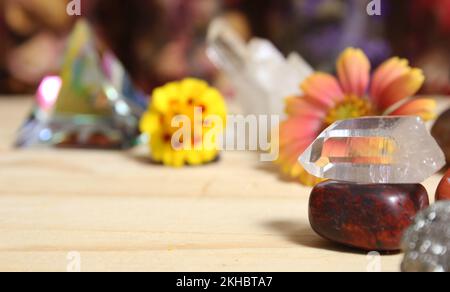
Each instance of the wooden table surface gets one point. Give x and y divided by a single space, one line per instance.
119 213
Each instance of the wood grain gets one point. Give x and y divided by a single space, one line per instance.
122 213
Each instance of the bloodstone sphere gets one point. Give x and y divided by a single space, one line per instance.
443 191
369 217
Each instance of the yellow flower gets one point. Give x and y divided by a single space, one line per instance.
183 122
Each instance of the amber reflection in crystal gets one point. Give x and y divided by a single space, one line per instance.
356 150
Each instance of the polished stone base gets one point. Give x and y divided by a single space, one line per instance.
367 217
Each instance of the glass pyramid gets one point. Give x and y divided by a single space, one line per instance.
92 104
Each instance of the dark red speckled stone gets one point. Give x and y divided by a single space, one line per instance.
443 191
367 217
441 132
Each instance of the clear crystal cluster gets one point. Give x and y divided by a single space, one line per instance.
427 241
384 150
260 74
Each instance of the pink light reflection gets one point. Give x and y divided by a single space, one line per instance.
48 91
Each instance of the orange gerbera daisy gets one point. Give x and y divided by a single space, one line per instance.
353 94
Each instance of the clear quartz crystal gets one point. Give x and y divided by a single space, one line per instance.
390 150
260 74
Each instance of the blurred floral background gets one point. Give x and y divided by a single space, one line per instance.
163 40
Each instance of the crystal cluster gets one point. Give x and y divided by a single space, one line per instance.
261 75
381 150
92 104
427 242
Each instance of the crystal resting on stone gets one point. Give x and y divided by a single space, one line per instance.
427 242
260 74
386 150
92 104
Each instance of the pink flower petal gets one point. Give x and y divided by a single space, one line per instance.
299 128
393 81
300 106
289 154
322 89
422 107
385 74
406 85
353 68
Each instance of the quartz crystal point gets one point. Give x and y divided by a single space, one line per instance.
427 242
260 74
384 150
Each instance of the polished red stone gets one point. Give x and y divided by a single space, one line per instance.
443 191
368 217
441 132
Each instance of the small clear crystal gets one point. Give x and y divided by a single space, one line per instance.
389 150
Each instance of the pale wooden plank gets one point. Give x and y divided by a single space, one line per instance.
122 213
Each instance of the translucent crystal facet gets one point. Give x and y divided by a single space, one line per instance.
261 75
92 104
390 150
